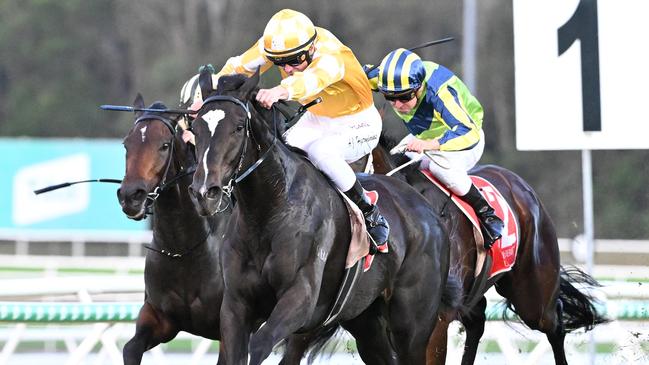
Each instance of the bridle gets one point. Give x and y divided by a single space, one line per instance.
155 193
237 176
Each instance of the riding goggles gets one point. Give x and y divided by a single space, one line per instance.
402 96
291 60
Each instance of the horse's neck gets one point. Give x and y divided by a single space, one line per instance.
267 183
268 186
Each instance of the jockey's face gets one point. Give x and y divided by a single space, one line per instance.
404 106
290 70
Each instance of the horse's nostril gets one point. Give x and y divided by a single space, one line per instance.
139 195
213 193
192 192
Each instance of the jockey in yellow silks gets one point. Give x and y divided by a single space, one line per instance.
341 129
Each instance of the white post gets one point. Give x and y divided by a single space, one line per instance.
469 26
589 230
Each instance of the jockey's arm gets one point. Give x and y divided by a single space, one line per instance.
323 71
246 63
372 73
462 132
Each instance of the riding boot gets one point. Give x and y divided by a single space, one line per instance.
377 225
491 225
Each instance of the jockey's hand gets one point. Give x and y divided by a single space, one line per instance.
421 145
268 97
188 137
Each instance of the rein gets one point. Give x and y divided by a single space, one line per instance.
175 255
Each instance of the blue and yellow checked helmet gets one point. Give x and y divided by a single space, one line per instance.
400 72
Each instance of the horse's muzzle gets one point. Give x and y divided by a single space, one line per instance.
207 202
132 202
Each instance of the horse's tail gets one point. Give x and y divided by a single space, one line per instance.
578 307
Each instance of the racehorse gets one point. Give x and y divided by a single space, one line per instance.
538 289
285 248
182 275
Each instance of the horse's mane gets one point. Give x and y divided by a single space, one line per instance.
234 83
173 118
158 105
230 83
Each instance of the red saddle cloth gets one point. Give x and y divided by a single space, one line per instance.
503 252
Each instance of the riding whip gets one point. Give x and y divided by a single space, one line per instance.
424 45
123 108
65 185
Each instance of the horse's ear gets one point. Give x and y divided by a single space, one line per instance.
205 82
139 104
251 83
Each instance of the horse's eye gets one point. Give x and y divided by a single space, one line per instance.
165 146
239 128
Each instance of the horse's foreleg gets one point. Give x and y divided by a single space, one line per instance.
474 325
236 326
437 344
151 329
291 312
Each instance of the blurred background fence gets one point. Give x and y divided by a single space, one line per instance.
73 253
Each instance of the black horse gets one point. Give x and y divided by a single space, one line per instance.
285 248
538 289
183 279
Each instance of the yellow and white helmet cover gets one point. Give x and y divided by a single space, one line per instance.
287 34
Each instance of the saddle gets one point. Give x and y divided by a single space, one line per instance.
502 255
359 246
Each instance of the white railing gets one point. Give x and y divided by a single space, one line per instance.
23 239
513 341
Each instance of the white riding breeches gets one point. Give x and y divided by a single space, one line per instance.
333 143
451 167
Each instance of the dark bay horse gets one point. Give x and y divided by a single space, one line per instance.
183 279
285 247
538 289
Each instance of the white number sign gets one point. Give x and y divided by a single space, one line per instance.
582 74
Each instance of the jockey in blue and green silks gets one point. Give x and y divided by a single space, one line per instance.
444 118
